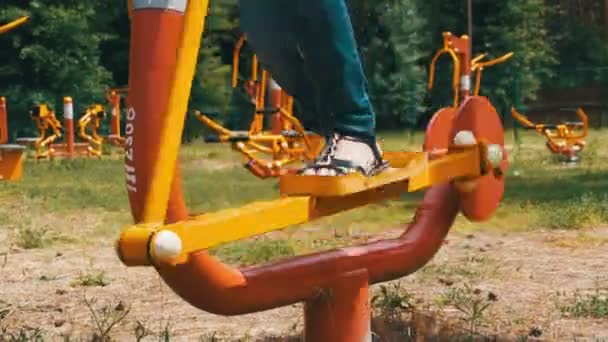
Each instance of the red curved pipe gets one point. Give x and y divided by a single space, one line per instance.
213 287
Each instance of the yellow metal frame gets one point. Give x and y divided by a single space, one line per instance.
14 24
283 150
455 75
269 151
559 136
156 200
412 171
299 204
50 129
46 120
91 121
477 66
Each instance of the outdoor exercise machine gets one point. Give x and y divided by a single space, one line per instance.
267 153
114 98
11 155
88 124
566 140
51 130
459 50
334 285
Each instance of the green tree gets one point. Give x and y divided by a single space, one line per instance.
519 26
580 30
390 34
211 91
56 54
400 88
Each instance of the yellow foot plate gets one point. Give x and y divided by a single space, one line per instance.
404 166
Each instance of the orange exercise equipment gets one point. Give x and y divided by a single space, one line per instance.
88 124
458 48
460 52
266 153
566 139
164 234
114 97
11 155
50 130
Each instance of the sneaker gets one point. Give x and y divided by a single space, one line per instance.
344 154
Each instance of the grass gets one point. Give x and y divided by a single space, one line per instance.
85 201
91 279
30 238
472 303
581 240
592 304
254 252
392 301
105 317
471 267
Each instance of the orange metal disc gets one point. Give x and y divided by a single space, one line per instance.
439 129
478 115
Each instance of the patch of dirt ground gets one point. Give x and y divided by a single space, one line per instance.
529 273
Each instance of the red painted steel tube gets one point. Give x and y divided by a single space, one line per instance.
3 121
68 122
115 103
214 287
340 313
275 102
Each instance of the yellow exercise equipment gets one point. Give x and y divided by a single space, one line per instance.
267 153
90 121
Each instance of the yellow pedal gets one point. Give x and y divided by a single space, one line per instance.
414 169
404 166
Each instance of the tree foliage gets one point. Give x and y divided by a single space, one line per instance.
78 48
391 36
57 53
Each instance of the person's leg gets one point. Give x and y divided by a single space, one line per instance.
329 48
330 52
269 26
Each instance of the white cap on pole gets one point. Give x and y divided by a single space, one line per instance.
68 108
174 5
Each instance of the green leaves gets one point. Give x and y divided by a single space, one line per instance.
56 54
77 48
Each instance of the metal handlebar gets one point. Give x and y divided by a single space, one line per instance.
477 66
13 24
455 75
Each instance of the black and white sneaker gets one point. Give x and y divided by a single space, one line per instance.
346 154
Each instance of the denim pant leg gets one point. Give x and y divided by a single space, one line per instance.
331 57
270 26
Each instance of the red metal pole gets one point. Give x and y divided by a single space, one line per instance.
465 62
275 102
3 121
115 114
68 121
341 312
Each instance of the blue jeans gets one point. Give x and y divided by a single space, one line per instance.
309 48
